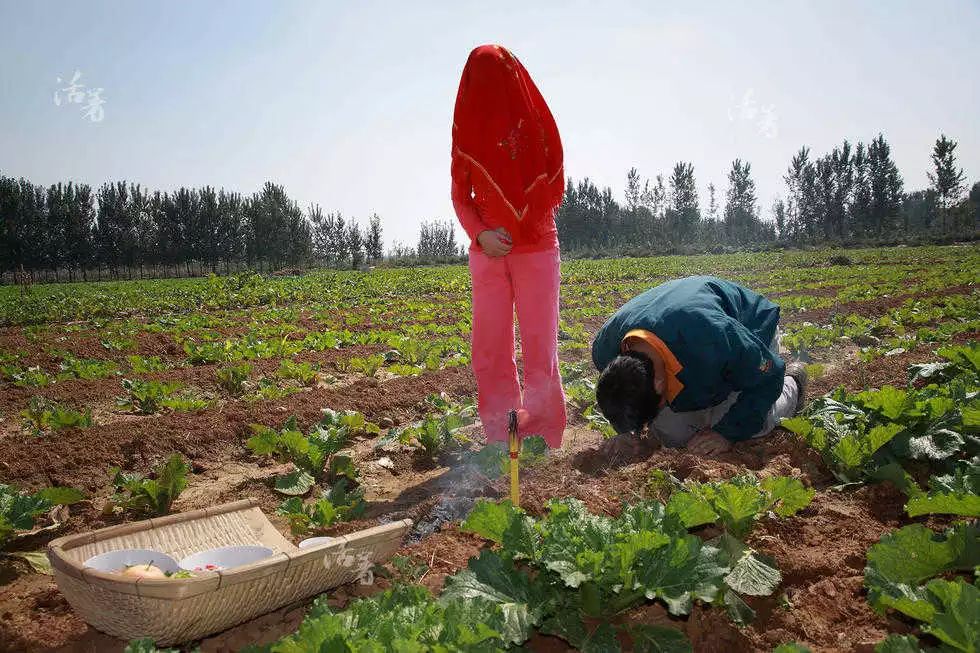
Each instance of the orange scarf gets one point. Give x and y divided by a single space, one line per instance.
672 366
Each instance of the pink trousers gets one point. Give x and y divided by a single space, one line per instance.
529 282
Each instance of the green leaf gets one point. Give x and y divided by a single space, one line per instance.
754 574
964 356
738 506
343 467
738 610
938 444
924 371
801 426
889 401
650 516
38 560
971 418
18 509
965 478
322 513
880 435
533 450
489 577
491 460
263 443
692 510
146 645
522 540
601 640
903 559
898 644
291 506
60 496
489 519
788 495
957 620
154 496
751 572
791 647
849 453
294 483
683 571
658 639
897 475
565 621
349 502
944 503
567 572
293 442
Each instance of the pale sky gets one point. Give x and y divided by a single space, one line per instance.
349 104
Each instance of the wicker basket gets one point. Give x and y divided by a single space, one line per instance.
173 611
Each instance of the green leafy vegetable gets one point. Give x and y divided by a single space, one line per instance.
148 397
312 452
791 647
233 377
899 644
295 483
404 618
134 492
42 415
439 429
658 639
494 460
305 373
18 510
737 503
957 493
339 504
902 560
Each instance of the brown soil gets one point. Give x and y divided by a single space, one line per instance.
856 375
79 457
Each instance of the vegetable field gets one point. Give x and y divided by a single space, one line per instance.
338 399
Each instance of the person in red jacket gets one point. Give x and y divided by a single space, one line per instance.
507 181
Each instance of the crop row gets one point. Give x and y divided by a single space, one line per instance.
872 272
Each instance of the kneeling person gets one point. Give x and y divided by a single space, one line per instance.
696 361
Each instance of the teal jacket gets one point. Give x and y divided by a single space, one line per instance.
720 334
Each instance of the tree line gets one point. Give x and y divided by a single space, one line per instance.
69 231
852 194
855 193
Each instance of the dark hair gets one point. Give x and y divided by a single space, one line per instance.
625 392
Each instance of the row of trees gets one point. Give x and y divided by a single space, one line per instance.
437 243
852 193
660 217
124 228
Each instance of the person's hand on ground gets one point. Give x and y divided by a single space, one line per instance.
494 243
708 443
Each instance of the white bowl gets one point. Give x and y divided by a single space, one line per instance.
115 561
311 542
224 557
